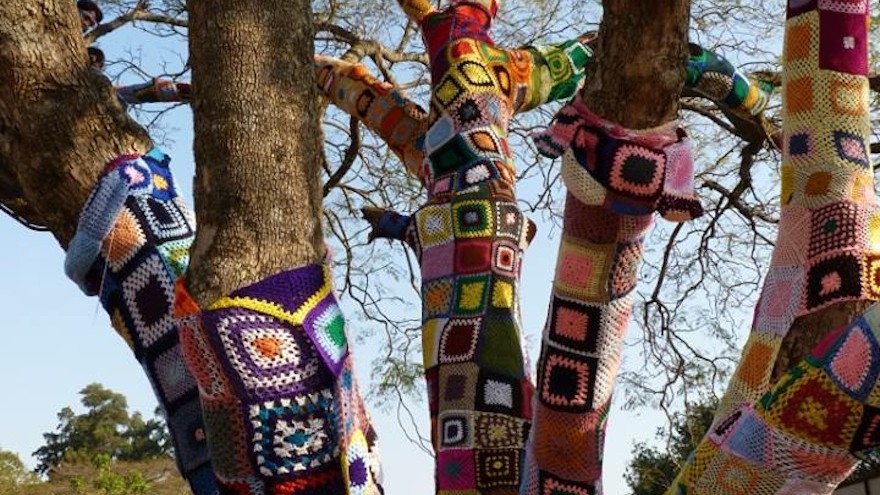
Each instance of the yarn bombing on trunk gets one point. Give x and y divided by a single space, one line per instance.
282 408
131 243
806 433
470 238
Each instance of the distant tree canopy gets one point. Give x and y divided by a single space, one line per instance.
105 429
652 469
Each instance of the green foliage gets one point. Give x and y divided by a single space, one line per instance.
651 470
105 429
104 476
14 476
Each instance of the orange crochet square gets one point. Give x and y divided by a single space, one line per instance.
755 366
799 95
848 95
797 46
818 183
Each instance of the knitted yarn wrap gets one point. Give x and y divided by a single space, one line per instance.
131 243
804 433
154 91
714 77
626 171
282 409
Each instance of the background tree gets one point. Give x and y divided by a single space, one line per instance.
14 476
653 468
106 428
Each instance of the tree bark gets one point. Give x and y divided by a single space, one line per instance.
59 119
637 79
257 148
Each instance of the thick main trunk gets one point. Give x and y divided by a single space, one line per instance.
59 119
638 78
256 146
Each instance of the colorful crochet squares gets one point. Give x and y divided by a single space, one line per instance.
281 344
296 434
131 243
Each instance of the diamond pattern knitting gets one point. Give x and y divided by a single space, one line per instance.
131 243
815 421
282 409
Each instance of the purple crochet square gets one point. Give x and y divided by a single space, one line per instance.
843 42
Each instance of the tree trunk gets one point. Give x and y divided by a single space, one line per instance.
638 79
636 83
59 119
256 143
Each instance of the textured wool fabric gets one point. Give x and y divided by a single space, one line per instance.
552 72
155 91
131 243
805 433
625 171
590 307
470 238
714 77
282 410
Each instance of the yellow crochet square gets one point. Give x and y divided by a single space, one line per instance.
434 225
583 270
502 294
431 331
732 475
848 94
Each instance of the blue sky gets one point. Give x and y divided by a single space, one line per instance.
57 340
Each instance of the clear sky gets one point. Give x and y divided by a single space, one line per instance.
56 340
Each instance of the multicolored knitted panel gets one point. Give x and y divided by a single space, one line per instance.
155 91
282 409
826 252
828 247
132 242
553 72
625 171
715 78
590 308
385 110
807 433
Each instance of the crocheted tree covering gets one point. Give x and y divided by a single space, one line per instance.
131 243
155 91
714 77
470 238
616 178
282 409
805 434
403 124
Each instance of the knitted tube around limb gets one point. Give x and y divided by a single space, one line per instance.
282 409
826 253
131 243
155 91
625 171
470 238
548 73
580 351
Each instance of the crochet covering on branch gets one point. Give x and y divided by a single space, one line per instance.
470 237
132 242
282 408
806 433
616 178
